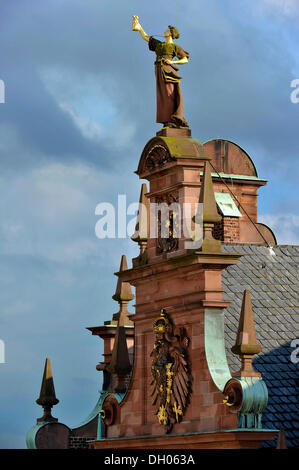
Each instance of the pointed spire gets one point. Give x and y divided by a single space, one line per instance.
120 356
246 345
210 214
207 197
281 440
123 294
142 227
123 290
120 365
47 397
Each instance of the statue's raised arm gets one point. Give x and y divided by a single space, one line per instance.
170 109
136 26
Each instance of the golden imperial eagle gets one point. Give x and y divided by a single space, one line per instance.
171 384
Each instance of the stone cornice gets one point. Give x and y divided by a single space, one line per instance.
207 260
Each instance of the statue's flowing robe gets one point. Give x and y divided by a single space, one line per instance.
169 95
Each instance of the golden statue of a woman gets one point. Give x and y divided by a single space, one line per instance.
170 108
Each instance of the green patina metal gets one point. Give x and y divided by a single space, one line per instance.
255 399
31 434
227 205
255 393
236 177
215 347
96 410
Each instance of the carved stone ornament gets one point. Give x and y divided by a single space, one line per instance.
171 384
110 411
168 225
157 157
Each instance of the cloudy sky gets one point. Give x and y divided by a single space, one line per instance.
80 106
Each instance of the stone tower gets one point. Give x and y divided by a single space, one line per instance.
181 388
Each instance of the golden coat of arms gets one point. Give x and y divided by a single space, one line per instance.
171 384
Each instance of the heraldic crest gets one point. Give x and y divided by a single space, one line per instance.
171 384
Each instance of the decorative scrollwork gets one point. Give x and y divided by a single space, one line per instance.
157 157
233 394
168 224
171 384
110 411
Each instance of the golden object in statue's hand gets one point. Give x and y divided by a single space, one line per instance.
135 24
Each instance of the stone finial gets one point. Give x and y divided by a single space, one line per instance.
123 290
119 366
123 294
281 440
47 398
141 233
207 197
210 214
142 229
246 345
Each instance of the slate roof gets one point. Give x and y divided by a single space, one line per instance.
273 282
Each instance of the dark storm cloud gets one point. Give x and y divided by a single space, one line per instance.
40 123
76 38
237 84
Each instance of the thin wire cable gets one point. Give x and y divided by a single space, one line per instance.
235 197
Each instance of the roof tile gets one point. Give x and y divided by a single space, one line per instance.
275 297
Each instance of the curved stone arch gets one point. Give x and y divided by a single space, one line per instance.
268 233
162 150
213 151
